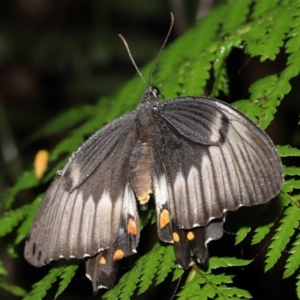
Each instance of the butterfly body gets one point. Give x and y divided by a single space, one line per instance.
197 156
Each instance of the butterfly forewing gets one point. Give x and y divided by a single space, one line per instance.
85 208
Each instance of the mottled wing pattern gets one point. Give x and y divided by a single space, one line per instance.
211 158
80 217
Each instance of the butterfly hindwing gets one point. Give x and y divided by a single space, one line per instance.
91 205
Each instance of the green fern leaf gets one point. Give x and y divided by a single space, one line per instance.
261 7
39 289
25 181
242 234
191 288
177 274
208 290
221 77
198 82
125 287
13 289
291 170
222 262
58 124
293 43
234 293
287 151
198 63
142 274
274 209
293 261
149 267
260 233
27 220
282 236
218 279
11 219
238 11
166 265
258 106
277 32
290 185
66 276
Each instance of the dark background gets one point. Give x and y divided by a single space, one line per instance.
55 55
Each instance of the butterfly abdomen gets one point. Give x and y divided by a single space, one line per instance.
141 160
140 175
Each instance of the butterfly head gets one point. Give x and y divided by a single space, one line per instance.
151 95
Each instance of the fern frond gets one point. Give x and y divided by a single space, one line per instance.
222 262
260 233
206 285
286 229
58 124
149 265
39 289
177 274
290 185
292 171
166 265
24 181
260 8
293 261
11 219
287 151
142 275
29 214
238 11
66 276
12 289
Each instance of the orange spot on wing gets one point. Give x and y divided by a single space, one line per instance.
41 163
102 261
164 218
132 226
190 236
175 237
119 254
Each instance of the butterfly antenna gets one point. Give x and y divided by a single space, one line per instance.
162 47
132 60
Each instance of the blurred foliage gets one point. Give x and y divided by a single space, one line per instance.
56 55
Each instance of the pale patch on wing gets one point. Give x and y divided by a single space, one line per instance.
87 224
107 217
63 237
129 202
74 226
217 123
195 195
161 191
207 184
181 203
52 234
221 175
72 178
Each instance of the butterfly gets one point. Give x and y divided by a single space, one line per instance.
197 157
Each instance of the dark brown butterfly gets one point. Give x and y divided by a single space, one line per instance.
199 157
